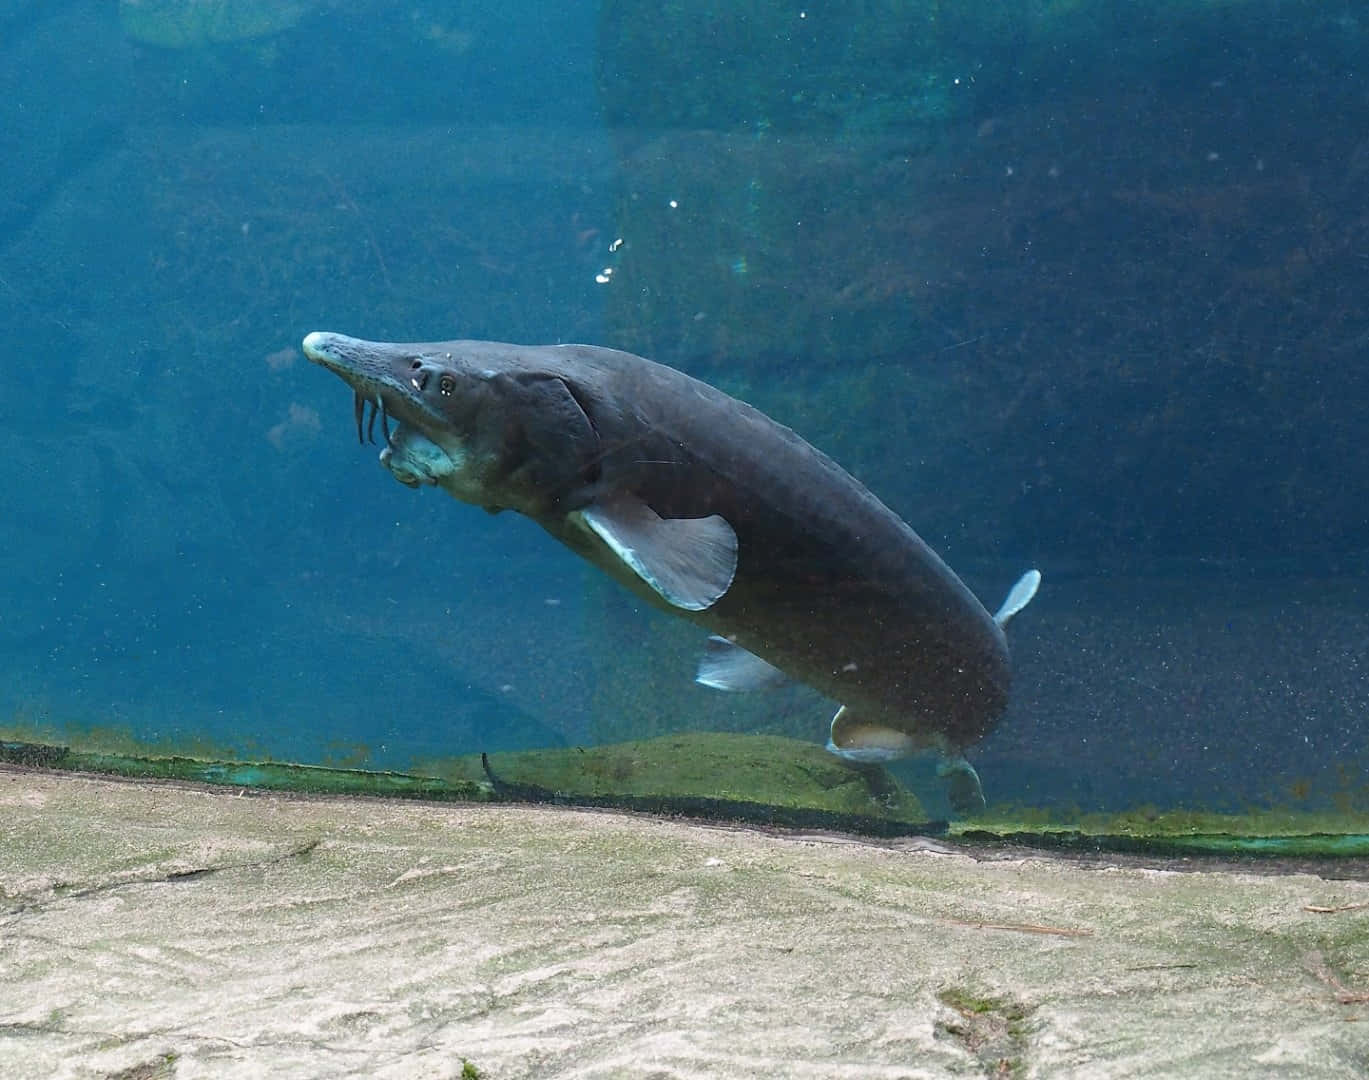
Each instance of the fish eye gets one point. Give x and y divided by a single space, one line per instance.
447 384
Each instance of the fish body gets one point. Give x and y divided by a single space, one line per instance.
712 511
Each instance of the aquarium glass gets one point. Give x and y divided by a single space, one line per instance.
1070 286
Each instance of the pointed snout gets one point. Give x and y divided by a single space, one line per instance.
367 366
337 352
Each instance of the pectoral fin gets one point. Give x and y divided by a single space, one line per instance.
690 562
861 740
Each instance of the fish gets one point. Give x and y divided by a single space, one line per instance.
711 511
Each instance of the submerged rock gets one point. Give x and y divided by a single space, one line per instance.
764 778
184 24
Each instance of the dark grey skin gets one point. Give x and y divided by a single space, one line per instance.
712 511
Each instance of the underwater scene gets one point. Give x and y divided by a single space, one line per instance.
1074 289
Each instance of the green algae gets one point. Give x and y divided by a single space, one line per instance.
265 775
1146 830
750 778
36 725
162 1067
993 1029
759 779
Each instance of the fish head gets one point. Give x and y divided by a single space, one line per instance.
433 394
479 419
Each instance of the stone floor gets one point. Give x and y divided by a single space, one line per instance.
161 931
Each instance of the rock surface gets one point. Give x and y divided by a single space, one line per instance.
158 931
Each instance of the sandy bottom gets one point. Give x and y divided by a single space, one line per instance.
157 931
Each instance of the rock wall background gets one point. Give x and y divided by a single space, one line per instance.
1068 284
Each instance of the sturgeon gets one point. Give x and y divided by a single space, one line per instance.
712 511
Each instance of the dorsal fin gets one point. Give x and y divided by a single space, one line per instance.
1019 596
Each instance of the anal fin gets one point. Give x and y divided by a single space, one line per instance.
863 740
868 742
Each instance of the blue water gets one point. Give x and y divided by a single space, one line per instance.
1077 289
